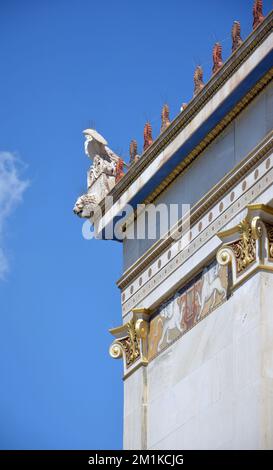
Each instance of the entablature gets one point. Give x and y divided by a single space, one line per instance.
238 81
174 257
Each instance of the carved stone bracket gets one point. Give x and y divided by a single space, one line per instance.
131 342
248 246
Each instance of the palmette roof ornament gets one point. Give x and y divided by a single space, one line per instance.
198 80
165 118
102 174
258 16
147 135
236 35
134 157
217 57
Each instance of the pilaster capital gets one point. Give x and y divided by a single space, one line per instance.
131 341
248 246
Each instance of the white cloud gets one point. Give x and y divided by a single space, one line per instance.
12 187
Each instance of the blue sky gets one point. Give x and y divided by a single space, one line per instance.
65 66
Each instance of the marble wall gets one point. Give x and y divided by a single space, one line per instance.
213 387
209 379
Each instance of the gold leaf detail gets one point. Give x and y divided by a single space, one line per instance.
245 248
130 344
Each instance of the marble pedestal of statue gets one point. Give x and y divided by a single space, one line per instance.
102 186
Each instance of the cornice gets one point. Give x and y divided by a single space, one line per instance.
210 137
230 66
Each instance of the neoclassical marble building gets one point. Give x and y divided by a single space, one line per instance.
196 335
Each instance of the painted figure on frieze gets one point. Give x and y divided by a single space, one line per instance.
211 290
170 319
187 307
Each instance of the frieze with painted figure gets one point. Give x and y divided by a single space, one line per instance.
207 291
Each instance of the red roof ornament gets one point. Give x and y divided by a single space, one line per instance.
198 81
133 152
165 118
258 16
148 139
236 35
217 57
119 170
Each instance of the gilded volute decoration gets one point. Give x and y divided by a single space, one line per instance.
131 340
249 245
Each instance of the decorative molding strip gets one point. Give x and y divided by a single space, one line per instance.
233 203
248 246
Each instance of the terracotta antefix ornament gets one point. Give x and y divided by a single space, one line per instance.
133 152
236 35
217 57
258 16
148 139
165 118
119 169
198 81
